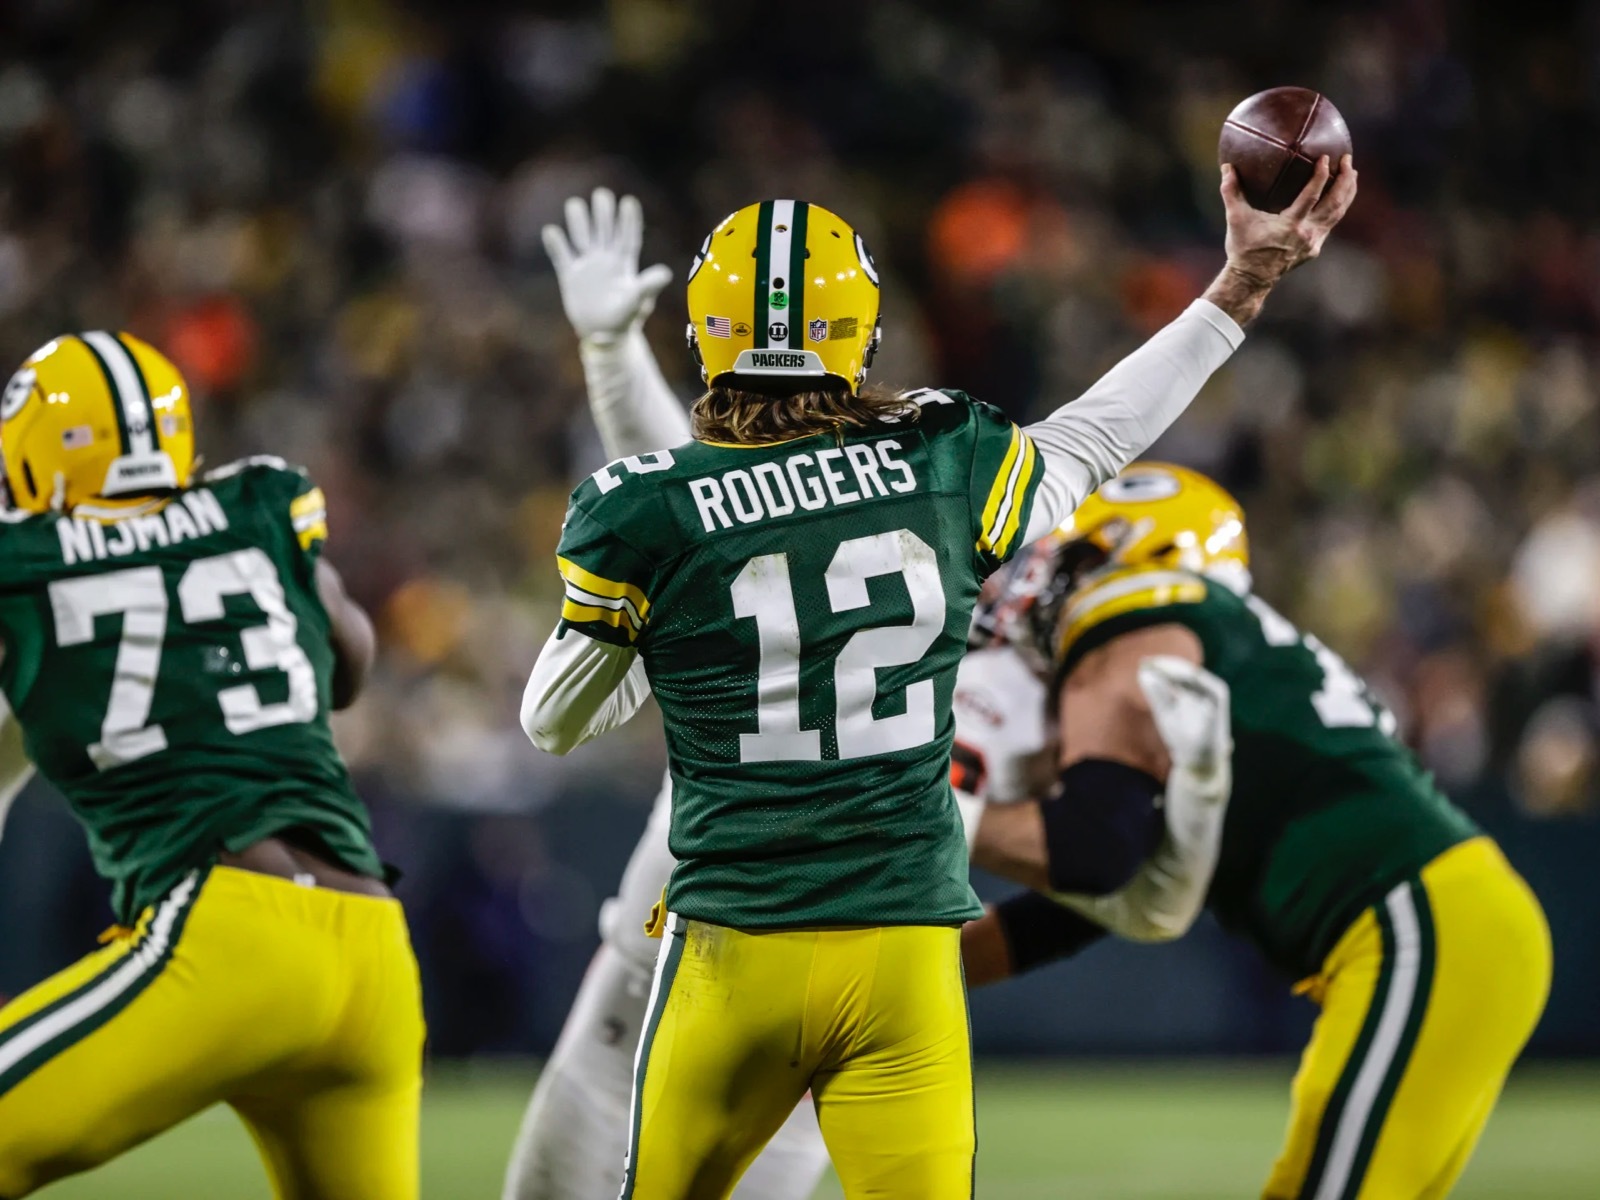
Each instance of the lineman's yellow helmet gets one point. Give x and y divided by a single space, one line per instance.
1158 513
781 292
95 417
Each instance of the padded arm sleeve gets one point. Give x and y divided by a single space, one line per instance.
1085 443
1101 826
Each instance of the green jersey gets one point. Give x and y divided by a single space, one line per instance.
801 610
1328 811
171 671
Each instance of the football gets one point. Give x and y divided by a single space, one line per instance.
1274 139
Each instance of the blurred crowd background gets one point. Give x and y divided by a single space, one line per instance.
328 214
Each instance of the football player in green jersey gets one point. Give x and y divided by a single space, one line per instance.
1338 860
172 648
794 586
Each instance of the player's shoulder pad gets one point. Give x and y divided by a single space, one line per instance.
625 494
254 464
1148 588
275 481
941 409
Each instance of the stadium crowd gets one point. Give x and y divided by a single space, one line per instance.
334 229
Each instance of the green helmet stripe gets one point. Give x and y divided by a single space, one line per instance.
763 272
797 276
116 396
144 389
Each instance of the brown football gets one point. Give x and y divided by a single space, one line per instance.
1274 139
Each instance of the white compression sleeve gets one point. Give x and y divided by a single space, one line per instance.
1085 443
634 409
579 689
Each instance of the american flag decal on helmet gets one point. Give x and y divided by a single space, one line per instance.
719 326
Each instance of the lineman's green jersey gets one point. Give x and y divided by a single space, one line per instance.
1328 811
801 609
172 670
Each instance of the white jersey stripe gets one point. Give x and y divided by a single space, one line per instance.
132 969
638 1053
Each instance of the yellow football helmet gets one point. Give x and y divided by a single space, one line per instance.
783 291
96 416
1161 514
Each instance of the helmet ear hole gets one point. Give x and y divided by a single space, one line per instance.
692 337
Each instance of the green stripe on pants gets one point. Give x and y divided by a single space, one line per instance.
666 971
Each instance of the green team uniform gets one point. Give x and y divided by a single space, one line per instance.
801 609
172 675
1328 811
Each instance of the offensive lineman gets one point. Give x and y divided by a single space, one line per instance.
1339 860
758 580
172 649
574 1135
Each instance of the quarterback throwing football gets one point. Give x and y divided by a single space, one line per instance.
795 586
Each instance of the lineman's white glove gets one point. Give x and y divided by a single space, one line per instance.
1190 708
597 266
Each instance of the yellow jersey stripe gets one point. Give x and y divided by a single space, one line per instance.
590 582
584 614
317 531
1019 491
308 502
998 489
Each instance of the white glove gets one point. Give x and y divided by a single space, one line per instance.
607 298
1190 708
597 266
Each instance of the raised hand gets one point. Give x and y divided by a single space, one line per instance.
1263 247
596 259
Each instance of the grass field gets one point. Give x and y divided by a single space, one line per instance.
1092 1132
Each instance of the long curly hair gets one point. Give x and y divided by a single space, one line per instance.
747 418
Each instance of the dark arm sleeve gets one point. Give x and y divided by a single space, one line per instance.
1101 826
1039 931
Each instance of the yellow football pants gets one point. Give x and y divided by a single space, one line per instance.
1427 999
300 1007
740 1025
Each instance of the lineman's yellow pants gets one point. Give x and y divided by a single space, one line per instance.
300 1007
1427 999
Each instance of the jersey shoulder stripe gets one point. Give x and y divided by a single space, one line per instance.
1130 590
309 513
1002 511
590 597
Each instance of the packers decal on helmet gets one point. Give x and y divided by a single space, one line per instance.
783 289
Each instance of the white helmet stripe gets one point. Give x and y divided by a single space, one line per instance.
778 271
136 415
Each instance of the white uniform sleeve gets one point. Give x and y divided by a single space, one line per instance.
634 409
15 767
579 689
1085 443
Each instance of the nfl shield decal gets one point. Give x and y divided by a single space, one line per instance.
817 330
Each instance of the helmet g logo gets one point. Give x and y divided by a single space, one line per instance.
17 392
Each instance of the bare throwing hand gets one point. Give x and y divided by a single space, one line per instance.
1263 247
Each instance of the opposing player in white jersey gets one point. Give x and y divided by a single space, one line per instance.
575 1130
